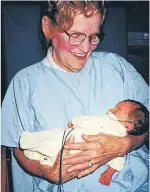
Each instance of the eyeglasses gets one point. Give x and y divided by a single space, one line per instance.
78 38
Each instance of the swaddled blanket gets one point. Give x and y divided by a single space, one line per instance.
45 145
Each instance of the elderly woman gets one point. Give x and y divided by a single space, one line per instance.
73 80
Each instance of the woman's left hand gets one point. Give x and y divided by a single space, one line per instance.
95 152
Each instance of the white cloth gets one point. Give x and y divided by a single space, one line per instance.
45 145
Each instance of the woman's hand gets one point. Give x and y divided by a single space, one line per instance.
48 173
97 149
52 174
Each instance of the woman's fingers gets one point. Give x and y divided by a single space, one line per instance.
74 174
52 174
79 158
85 165
70 140
96 148
91 137
88 171
101 137
82 146
78 167
69 176
66 151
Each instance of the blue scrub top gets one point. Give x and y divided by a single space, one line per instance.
41 97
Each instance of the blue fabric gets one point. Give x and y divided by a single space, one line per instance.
41 98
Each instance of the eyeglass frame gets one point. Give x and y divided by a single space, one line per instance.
69 35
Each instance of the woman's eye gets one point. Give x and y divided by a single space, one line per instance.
93 37
77 35
74 35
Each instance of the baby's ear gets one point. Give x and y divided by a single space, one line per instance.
130 126
48 28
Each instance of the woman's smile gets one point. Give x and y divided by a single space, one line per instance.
79 56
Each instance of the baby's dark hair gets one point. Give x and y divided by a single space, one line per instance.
141 119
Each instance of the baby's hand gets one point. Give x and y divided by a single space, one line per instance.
70 124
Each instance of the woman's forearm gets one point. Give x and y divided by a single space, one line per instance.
31 166
51 174
132 142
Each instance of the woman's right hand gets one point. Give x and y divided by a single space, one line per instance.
52 173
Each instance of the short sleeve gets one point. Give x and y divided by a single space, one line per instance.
16 114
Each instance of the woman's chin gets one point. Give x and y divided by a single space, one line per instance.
75 68
78 67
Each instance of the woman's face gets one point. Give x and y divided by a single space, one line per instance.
73 58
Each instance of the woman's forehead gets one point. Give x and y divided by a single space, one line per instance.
82 23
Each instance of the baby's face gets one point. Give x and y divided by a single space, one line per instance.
123 110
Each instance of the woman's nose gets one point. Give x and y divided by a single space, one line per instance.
85 46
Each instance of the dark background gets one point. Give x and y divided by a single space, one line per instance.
136 15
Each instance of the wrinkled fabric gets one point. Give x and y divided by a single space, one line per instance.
40 98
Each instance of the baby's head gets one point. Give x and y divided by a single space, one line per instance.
133 115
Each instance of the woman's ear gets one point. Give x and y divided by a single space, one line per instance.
48 29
